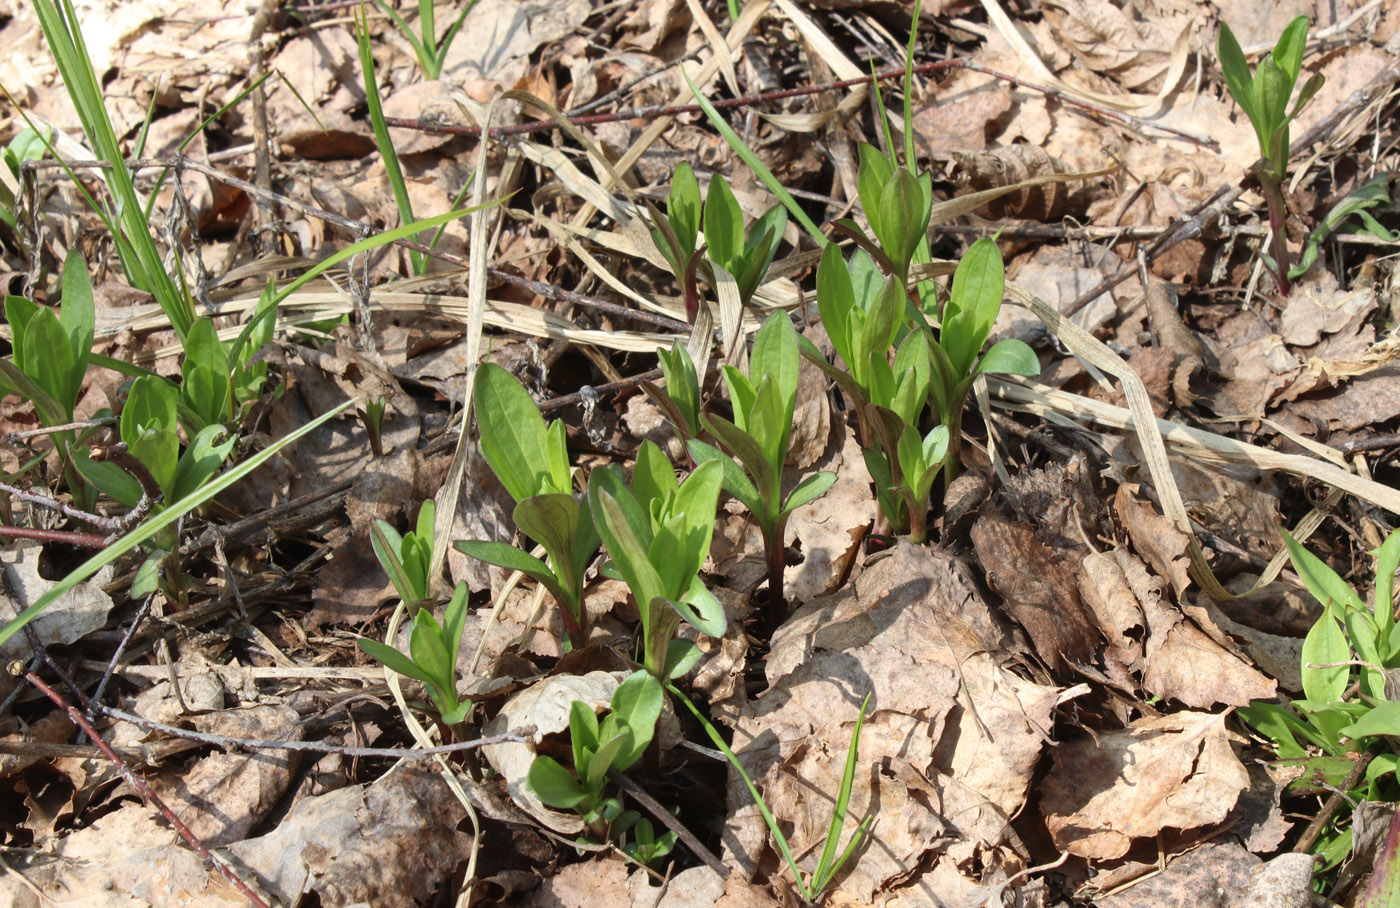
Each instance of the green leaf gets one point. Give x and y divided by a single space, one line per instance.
653 477
736 483
724 224
901 208
698 499
513 434
882 321
741 395
553 521
554 785
701 609
1325 645
682 655
1310 88
1383 599
49 359
596 773
1288 52
760 246
1009 356
682 384
1235 67
1381 719
512 559
683 209
827 864
743 447
809 489
583 733
77 314
637 702
1321 580
202 460
388 546
835 300
429 650
623 529
978 286
1272 89
454 621
775 354
394 659
871 179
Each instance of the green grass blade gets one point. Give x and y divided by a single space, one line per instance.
159 522
773 827
757 166
825 866
381 133
140 258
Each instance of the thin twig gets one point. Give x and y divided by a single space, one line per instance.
144 790
668 819
63 537
520 736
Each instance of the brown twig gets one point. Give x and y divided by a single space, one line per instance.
520 736
144 790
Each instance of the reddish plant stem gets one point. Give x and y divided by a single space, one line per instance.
1278 213
144 790
86 540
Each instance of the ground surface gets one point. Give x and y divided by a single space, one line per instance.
1052 717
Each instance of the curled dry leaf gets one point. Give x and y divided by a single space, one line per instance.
1171 771
1183 662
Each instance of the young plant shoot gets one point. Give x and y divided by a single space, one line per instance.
615 743
968 316
657 534
745 255
680 399
753 448
1349 650
51 358
1263 96
531 461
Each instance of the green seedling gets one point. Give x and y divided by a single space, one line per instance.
150 430
968 316
680 400
1350 648
532 462
809 886
675 234
373 418
898 203
407 559
644 846
753 448
1356 204
50 359
744 254
1263 96
430 48
863 311
657 534
615 743
432 658
28 146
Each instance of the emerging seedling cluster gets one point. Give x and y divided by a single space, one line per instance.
1263 96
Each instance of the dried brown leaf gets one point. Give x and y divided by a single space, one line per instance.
1172 771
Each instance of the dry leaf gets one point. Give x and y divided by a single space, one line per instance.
1105 791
